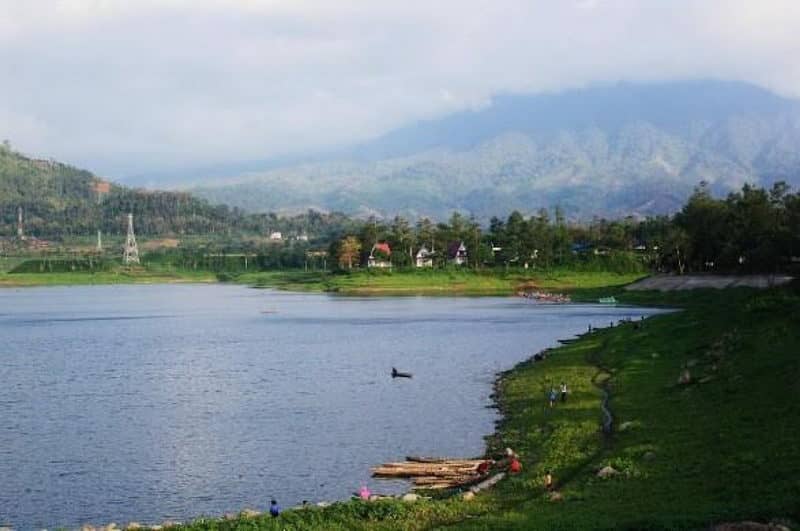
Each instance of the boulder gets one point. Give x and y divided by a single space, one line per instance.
469 495
607 472
410 497
87 527
230 516
749 526
156 528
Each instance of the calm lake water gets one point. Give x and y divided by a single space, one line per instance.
146 403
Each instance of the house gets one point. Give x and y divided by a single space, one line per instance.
275 236
379 256
457 253
424 257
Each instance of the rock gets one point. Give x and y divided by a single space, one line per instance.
469 495
691 363
410 497
649 456
556 496
230 516
133 525
625 426
250 513
111 527
685 377
169 523
323 504
749 526
6 528
607 472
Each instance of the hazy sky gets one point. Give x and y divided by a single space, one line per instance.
123 87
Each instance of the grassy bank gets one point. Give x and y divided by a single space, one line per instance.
115 276
433 282
721 448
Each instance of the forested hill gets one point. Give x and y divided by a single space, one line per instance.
603 151
59 201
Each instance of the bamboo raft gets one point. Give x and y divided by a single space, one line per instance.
431 472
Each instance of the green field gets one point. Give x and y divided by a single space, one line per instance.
433 282
722 448
119 275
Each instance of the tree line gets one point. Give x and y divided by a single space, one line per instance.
750 230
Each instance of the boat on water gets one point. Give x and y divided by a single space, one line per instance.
607 300
399 374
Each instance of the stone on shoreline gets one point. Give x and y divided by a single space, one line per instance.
410 497
133 526
607 472
250 513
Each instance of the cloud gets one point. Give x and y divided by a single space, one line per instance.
131 87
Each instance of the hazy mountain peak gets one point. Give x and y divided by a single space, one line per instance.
602 150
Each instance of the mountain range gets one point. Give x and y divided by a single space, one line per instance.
613 150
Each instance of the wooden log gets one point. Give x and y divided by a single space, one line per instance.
485 484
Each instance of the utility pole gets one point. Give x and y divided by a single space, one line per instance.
131 255
99 241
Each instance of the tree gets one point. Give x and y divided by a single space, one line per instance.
349 250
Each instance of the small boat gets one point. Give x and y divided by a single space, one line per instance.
398 374
607 300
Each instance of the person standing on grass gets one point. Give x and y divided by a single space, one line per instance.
563 392
552 397
548 480
274 508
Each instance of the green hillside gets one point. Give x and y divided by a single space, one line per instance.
60 201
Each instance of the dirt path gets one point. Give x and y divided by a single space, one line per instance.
684 282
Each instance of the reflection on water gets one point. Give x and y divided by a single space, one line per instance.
148 403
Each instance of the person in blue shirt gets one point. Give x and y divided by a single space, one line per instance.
274 509
552 397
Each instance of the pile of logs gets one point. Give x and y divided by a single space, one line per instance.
432 473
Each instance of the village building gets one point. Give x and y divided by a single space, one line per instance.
457 253
424 257
380 256
275 236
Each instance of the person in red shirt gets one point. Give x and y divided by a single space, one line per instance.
515 467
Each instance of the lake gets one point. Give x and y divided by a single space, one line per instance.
147 403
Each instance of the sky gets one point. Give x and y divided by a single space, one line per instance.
126 88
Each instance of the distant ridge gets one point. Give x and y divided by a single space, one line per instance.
612 150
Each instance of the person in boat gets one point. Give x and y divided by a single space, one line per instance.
274 508
398 374
394 372
563 392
